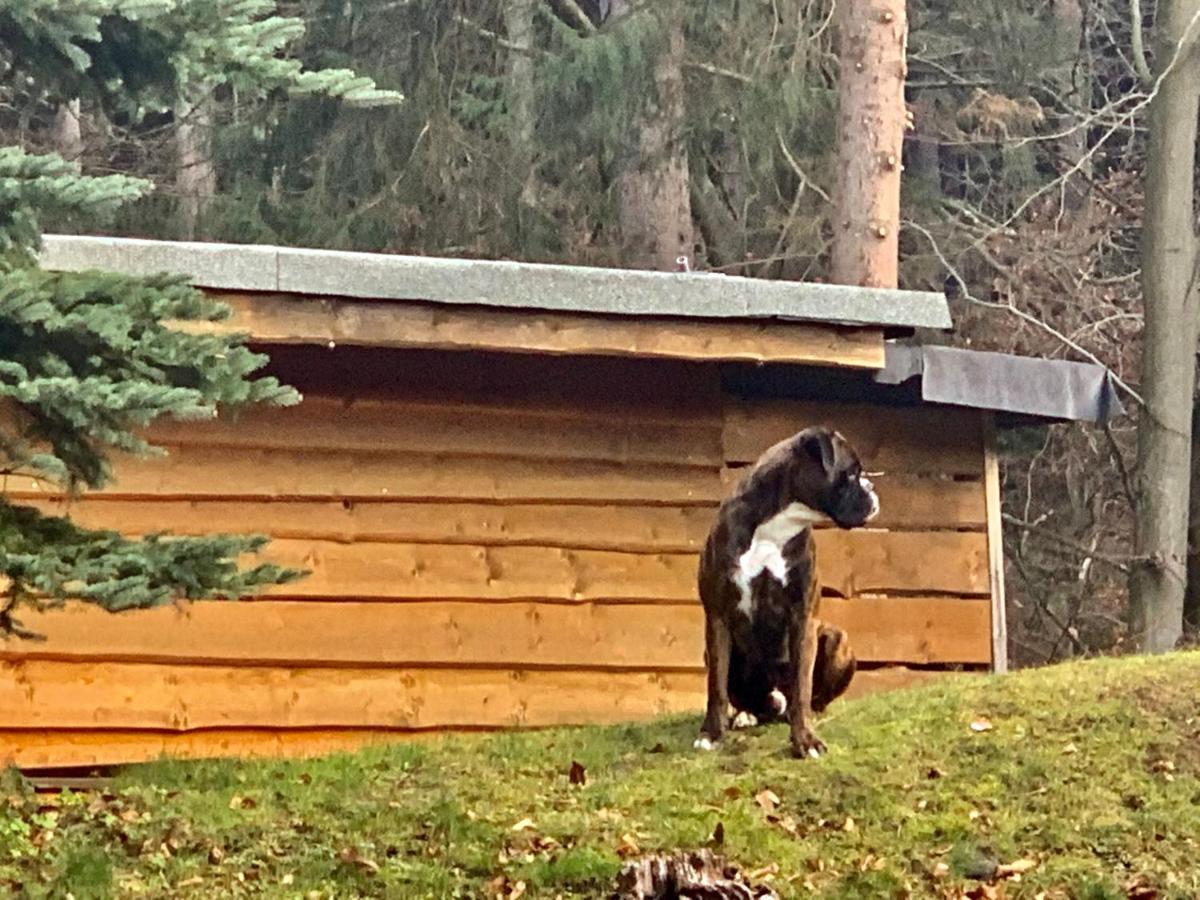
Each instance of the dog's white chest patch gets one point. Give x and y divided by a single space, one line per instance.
765 553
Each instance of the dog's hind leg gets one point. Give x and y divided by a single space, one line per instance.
834 668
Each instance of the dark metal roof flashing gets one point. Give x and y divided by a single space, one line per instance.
1021 390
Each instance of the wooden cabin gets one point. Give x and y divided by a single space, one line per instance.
499 477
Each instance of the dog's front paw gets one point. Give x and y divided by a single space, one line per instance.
704 742
744 720
807 745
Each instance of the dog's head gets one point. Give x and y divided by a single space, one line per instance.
827 476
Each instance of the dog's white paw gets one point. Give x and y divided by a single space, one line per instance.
703 743
744 720
814 753
778 702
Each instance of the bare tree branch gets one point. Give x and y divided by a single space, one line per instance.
1121 563
805 181
577 15
1016 311
1138 43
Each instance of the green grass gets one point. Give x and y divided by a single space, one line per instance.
1091 770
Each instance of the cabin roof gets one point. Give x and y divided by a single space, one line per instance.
500 284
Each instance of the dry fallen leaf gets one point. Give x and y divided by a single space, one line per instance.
1016 868
352 856
577 774
767 799
1162 765
1140 888
523 825
501 888
732 792
1069 749
766 873
848 825
785 823
628 846
981 725
236 802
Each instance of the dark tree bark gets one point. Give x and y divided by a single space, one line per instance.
1072 146
923 165
66 132
653 187
1191 598
195 177
1169 269
872 37
518 23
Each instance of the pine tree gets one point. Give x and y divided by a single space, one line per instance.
88 359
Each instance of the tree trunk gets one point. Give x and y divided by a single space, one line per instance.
66 132
1072 146
1191 599
872 36
653 187
196 178
923 167
1169 268
518 23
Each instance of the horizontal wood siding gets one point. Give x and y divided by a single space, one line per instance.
39 748
653 637
484 553
922 440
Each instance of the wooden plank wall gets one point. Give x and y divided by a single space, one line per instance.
493 542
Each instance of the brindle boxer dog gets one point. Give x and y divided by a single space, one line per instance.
758 579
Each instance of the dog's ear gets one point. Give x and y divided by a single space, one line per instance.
817 445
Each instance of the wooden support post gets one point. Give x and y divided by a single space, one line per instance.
995 532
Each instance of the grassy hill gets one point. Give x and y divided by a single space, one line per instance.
1086 776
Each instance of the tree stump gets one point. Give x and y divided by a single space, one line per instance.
697 875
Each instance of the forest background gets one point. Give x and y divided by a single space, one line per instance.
616 132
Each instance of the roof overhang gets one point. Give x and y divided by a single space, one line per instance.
499 284
1021 390
298 296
